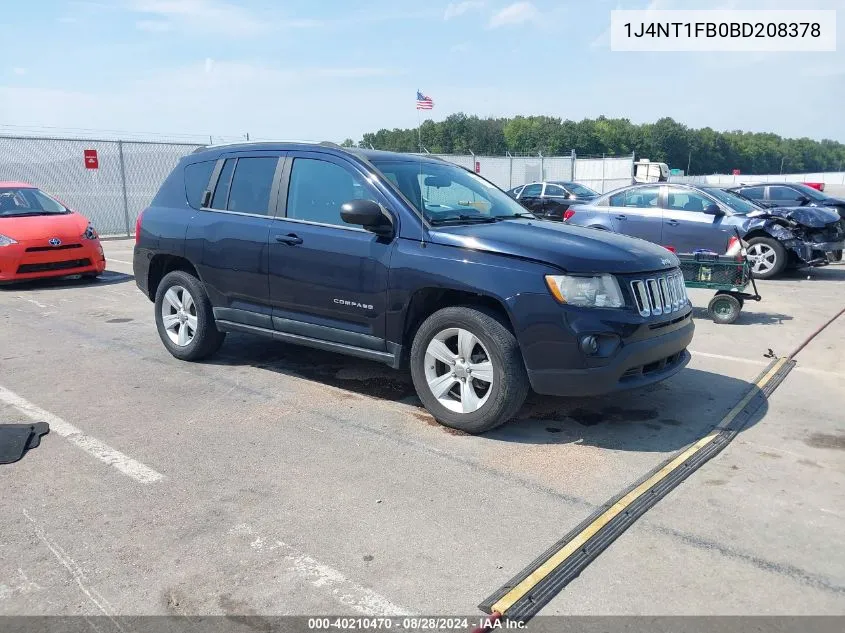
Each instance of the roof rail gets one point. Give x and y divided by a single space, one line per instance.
231 143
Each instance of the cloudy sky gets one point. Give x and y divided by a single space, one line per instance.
331 69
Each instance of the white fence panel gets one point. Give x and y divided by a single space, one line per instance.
496 169
557 168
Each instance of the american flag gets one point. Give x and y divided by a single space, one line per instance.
423 102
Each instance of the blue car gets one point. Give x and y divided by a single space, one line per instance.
689 219
410 261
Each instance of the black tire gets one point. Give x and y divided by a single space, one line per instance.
207 339
724 308
836 256
781 258
509 385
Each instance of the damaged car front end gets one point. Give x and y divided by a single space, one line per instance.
807 233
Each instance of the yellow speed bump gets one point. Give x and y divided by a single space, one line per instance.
575 544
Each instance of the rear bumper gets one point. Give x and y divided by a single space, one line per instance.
141 269
19 264
635 365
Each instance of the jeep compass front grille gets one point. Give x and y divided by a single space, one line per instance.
661 294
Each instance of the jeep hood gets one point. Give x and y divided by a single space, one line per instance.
572 248
811 217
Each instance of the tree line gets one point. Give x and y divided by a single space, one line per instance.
703 150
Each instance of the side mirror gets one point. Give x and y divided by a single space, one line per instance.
368 214
803 200
713 209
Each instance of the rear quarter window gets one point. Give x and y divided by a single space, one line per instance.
197 176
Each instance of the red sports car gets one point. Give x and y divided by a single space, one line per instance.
41 237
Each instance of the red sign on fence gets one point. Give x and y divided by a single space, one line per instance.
477 167
736 172
91 160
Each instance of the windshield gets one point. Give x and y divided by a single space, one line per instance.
448 193
811 193
737 203
580 190
24 201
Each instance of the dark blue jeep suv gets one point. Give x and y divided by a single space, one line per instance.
407 260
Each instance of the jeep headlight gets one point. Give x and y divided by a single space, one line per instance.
599 291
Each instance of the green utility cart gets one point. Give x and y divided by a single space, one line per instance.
729 276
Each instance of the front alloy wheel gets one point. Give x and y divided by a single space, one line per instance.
458 370
467 368
762 257
767 256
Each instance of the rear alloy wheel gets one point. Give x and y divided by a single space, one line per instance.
184 317
467 369
767 257
179 316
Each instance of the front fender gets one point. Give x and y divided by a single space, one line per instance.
415 266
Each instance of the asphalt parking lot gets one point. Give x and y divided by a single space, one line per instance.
279 480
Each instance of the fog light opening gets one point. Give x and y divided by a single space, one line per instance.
589 345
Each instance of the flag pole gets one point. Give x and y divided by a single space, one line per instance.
419 129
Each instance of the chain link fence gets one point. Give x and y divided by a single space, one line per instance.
126 179
129 173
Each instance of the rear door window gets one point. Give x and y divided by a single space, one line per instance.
221 191
251 185
245 185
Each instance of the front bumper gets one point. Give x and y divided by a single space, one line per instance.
35 259
813 253
635 365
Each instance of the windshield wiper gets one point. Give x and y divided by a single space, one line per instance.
24 214
462 218
527 216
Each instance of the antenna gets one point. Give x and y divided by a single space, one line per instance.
422 200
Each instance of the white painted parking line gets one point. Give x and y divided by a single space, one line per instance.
754 361
734 359
119 261
91 445
347 592
75 571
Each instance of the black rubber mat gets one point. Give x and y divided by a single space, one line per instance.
17 439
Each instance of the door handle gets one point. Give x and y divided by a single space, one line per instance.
621 217
672 222
291 238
